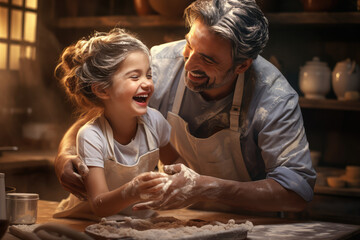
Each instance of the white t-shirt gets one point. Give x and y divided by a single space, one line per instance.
92 145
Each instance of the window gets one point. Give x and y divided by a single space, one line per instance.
18 25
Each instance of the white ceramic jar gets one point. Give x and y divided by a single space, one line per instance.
315 79
345 78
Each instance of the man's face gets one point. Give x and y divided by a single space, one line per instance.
208 62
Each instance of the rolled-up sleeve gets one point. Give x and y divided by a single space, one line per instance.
284 146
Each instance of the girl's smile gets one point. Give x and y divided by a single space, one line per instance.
132 86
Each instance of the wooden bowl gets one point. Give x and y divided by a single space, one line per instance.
336 182
142 7
319 5
170 8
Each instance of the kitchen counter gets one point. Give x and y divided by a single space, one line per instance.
20 159
33 172
264 227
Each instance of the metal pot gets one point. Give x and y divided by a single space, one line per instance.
21 208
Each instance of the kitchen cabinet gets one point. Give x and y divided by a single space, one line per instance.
332 126
151 29
295 37
290 18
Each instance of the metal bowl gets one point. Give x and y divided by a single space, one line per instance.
21 208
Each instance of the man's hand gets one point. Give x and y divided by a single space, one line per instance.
68 178
181 190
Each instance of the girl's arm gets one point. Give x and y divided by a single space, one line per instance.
146 186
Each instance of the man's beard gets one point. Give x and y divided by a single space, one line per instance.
229 76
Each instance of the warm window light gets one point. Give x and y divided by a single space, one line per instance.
16 24
17 37
31 4
17 2
3 55
14 56
30 53
30 27
3 22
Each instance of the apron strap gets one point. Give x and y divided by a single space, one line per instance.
107 130
150 133
179 94
236 105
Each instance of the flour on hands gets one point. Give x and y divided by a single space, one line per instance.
146 186
179 191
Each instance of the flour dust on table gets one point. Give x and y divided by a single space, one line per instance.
161 228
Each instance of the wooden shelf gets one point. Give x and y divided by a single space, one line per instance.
329 104
320 18
349 192
285 18
121 21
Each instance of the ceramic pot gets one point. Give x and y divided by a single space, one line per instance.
319 5
173 8
345 78
315 79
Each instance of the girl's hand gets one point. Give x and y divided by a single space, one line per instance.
181 190
147 186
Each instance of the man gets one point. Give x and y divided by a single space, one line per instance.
235 119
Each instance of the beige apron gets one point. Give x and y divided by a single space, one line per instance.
219 155
116 175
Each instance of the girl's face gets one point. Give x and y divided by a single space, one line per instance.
132 86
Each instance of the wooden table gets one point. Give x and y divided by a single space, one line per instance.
264 227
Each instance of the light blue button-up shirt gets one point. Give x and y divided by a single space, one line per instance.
273 140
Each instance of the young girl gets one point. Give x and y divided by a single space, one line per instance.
109 77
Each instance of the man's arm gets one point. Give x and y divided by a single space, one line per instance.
67 160
188 187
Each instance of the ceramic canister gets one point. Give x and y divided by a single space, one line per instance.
22 207
315 79
345 78
3 219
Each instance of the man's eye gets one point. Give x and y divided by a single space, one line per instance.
134 77
208 61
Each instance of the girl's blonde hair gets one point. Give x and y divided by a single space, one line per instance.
94 61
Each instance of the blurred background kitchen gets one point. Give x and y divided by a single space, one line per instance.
314 43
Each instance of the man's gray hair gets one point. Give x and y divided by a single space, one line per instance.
240 21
